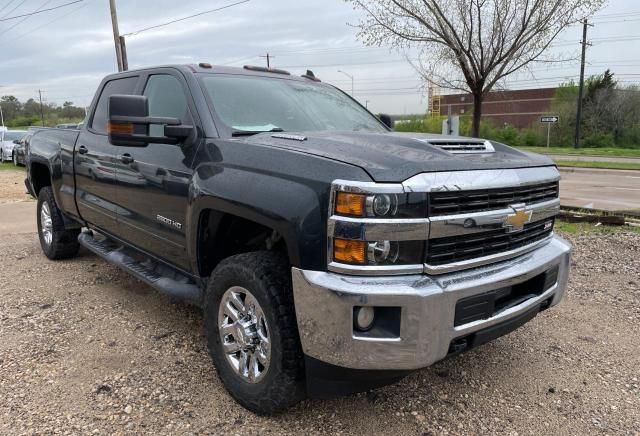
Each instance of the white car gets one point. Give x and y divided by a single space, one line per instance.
7 143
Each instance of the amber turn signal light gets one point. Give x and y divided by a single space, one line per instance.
120 128
350 204
349 251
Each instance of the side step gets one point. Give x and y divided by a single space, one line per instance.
161 277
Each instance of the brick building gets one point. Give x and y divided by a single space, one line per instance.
519 108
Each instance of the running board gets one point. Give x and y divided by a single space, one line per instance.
164 279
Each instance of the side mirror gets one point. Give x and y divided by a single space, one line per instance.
129 123
16 141
386 120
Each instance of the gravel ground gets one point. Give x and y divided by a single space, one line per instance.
87 349
12 185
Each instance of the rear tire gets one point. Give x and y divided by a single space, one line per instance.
56 241
261 280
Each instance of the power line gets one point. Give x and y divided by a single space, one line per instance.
184 18
40 11
16 7
6 5
25 18
30 31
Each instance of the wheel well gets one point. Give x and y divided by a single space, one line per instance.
222 235
40 177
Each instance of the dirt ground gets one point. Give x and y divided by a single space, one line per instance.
85 348
12 186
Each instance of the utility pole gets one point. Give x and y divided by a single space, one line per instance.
349 76
116 34
581 87
123 53
268 56
41 109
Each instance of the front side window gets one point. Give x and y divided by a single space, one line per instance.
118 86
254 104
166 99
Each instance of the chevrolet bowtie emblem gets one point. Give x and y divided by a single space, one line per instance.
515 222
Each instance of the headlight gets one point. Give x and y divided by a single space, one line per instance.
376 228
355 252
412 205
382 205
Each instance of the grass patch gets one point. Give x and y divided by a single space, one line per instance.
10 166
604 151
588 228
600 165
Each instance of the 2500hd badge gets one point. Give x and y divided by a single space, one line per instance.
169 222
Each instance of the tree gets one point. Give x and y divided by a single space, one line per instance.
10 106
470 45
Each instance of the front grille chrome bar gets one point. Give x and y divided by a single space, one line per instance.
485 260
479 222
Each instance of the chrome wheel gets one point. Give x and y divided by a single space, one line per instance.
244 334
46 224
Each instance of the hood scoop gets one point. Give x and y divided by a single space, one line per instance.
461 146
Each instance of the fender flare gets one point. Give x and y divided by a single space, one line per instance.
292 207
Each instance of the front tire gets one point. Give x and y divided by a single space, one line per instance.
56 241
252 332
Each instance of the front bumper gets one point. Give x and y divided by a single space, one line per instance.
324 304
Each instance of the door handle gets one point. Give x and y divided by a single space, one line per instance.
83 150
126 158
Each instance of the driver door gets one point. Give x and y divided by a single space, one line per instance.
153 180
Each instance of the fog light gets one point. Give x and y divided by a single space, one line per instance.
383 252
364 317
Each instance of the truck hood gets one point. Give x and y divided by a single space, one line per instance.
393 156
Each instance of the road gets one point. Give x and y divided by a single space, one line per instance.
583 158
600 189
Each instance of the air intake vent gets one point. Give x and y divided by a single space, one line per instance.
462 146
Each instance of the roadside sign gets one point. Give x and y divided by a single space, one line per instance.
549 120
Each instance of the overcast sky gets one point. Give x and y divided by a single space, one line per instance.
67 51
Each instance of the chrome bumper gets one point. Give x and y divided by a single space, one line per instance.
324 308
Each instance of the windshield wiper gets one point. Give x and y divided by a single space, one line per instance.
237 133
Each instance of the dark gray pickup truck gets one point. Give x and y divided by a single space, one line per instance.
329 254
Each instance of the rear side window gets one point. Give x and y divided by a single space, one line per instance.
166 99
118 86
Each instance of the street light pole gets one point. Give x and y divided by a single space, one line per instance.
349 76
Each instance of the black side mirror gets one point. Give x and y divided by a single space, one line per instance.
129 123
16 141
386 120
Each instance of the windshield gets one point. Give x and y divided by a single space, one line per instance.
12 136
259 104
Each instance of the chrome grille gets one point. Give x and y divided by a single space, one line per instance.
480 200
471 246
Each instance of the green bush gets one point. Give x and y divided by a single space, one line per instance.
23 121
531 138
508 135
599 140
419 124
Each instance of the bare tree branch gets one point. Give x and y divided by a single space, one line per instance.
470 45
